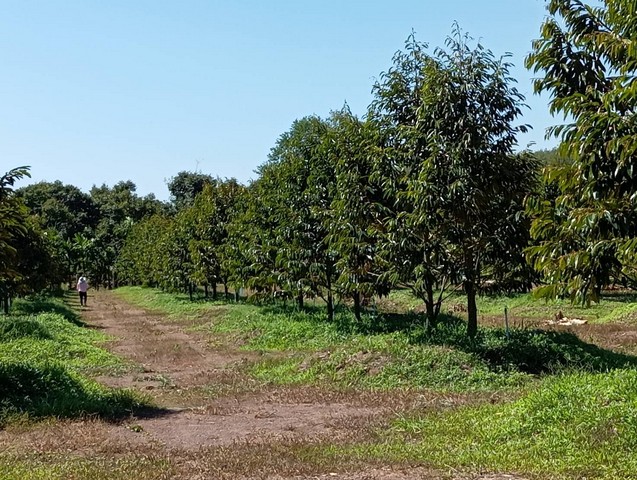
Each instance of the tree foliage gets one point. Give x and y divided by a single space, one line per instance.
27 260
586 236
185 186
454 185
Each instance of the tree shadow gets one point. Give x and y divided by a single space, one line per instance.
51 390
37 305
14 328
533 351
389 322
619 296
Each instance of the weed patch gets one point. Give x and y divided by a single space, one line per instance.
52 390
572 426
36 467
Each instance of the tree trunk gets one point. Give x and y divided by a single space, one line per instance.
357 305
330 297
330 306
214 291
225 291
430 305
472 309
299 300
205 290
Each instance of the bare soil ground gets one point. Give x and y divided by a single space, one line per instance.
212 421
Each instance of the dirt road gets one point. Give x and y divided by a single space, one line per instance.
211 420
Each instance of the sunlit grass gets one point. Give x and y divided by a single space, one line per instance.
49 337
177 307
49 467
303 347
572 426
614 306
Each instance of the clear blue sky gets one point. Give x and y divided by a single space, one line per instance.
96 92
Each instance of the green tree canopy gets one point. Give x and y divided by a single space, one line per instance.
448 166
587 235
185 186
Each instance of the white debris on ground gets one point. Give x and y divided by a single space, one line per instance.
561 320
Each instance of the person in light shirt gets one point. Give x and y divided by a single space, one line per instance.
82 288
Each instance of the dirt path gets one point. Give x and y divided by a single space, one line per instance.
185 376
211 417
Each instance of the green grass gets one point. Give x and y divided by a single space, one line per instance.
45 363
49 467
572 426
615 306
178 307
49 337
392 368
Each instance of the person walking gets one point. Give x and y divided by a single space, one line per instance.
82 288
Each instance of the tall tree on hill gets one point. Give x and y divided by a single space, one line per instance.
587 235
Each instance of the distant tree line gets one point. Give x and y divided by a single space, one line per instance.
426 191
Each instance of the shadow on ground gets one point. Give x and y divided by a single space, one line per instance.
533 351
51 390
36 305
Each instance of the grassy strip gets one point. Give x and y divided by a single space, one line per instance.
50 337
39 467
573 426
177 307
615 306
44 358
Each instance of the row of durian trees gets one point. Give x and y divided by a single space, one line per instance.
424 192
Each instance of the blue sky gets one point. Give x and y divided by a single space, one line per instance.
96 92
